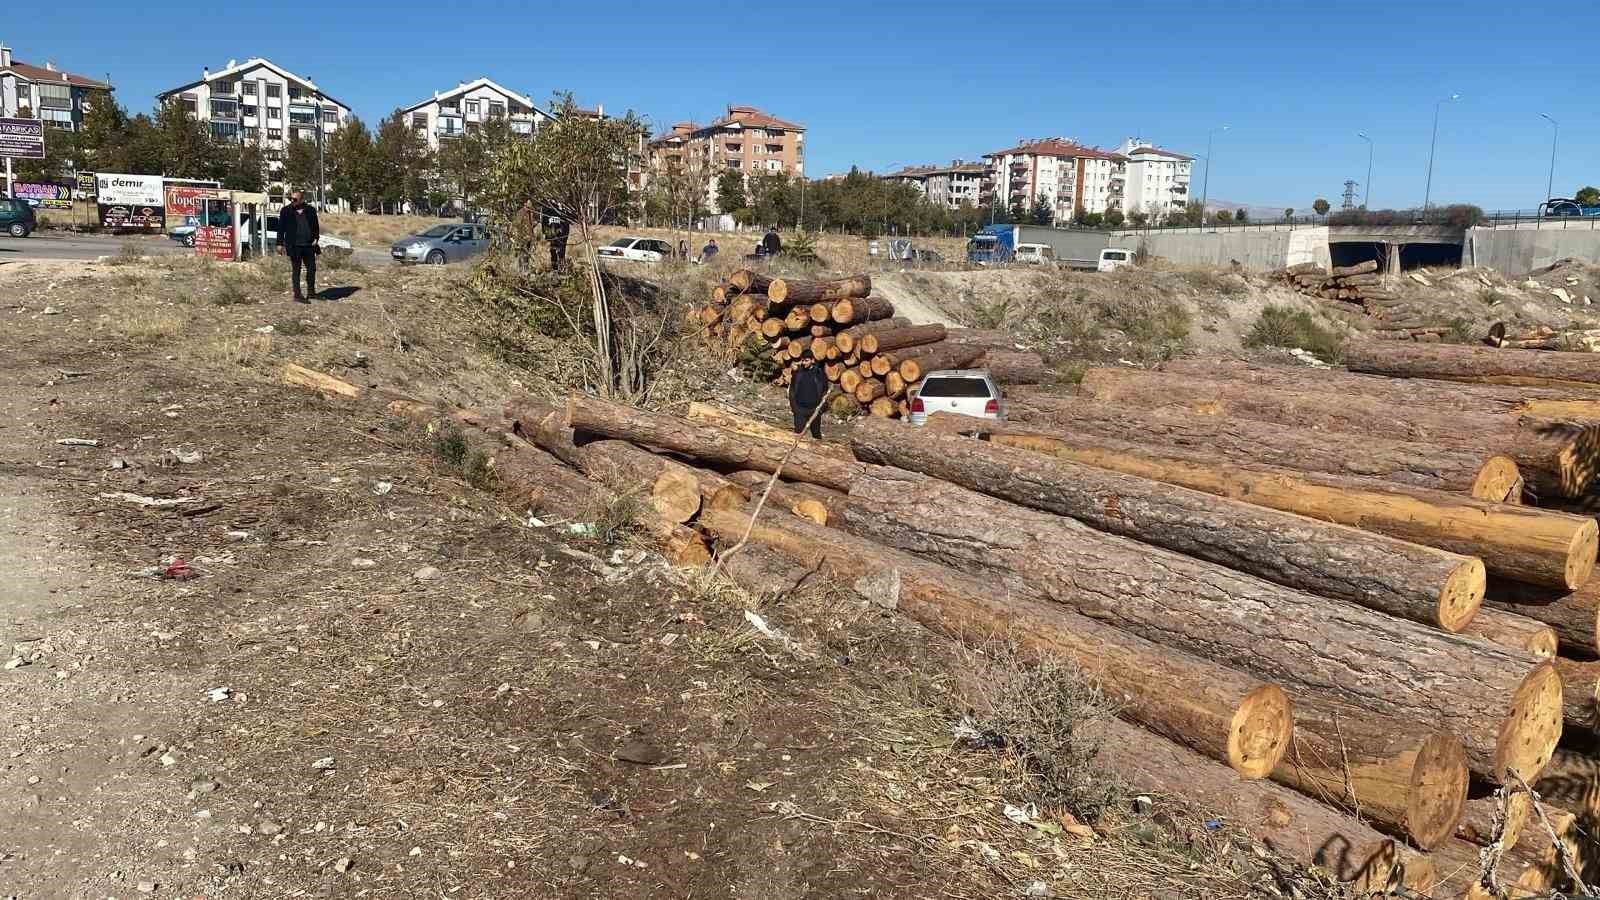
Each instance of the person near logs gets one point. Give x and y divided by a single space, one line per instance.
807 388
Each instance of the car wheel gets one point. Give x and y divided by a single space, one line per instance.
188 240
18 229
436 257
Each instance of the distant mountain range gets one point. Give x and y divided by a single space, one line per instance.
1258 211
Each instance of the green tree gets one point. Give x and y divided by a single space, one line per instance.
1194 213
1240 215
188 149
349 160
1321 206
1288 213
1139 218
730 191
1114 217
104 136
1041 214
300 165
1587 195
247 169
401 163
1223 216
773 200
1091 219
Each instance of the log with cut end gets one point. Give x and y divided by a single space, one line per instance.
1524 543
1293 825
1422 584
791 291
670 488
1572 782
791 495
797 319
706 414
1513 631
749 281
710 443
1483 475
895 339
880 365
916 362
893 385
869 390
1233 718
850 337
1361 268
1410 780
1463 362
1015 367
543 424
1557 458
1496 813
525 474
1580 690
849 380
857 311
1575 615
1504 706
819 312
773 328
832 371
327 385
883 408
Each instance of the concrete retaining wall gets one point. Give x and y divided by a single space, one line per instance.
1519 251
1254 250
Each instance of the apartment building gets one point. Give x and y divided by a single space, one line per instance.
959 184
57 98
467 106
1066 175
745 139
1157 179
259 102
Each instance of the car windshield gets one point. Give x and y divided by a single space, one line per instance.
622 242
955 387
437 231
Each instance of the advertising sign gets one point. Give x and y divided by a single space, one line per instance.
22 138
182 199
43 194
86 185
215 241
130 202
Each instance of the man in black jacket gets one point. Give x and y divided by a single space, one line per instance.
807 387
298 233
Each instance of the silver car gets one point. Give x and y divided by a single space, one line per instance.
441 244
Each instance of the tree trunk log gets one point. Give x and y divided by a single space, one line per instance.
712 444
884 341
789 494
1572 782
706 414
670 488
916 362
748 281
1484 365
1230 717
849 380
1509 630
1478 820
773 328
1402 579
1482 475
1504 706
790 291
1557 458
850 337
1015 367
525 474
1519 542
1580 693
864 309
543 424
1293 825
322 383
798 319
869 390
883 408
1410 780
1574 615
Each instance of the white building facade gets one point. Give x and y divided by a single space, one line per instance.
468 106
1157 179
260 103
1067 176
959 184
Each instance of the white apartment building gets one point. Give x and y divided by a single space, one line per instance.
467 106
262 103
1068 176
1158 180
959 184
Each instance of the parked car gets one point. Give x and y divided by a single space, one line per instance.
636 249
441 244
1565 206
17 217
1035 254
1112 259
969 392
184 234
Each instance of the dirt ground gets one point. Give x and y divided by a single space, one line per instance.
380 681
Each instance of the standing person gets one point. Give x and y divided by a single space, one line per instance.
683 249
708 251
298 232
770 244
806 389
558 231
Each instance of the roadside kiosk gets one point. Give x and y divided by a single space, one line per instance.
232 224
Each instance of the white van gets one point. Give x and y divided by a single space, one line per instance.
1035 254
1113 258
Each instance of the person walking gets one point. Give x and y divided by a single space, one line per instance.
770 243
298 233
708 251
683 249
807 387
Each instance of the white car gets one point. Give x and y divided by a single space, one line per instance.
636 249
968 392
1112 259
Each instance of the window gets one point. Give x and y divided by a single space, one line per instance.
274 114
419 120
57 118
472 107
190 105
249 88
225 131
274 134
497 110
252 133
224 109
58 96
250 112
295 93
274 91
330 115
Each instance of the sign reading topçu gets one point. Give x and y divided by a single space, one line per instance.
21 138
130 201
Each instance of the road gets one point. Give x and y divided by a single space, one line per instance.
89 247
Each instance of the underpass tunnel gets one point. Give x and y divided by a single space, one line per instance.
1386 255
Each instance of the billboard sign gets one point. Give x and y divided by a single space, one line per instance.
86 185
130 202
21 138
182 199
43 194
215 241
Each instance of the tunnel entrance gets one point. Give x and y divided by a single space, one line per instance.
1412 255
1417 256
1354 253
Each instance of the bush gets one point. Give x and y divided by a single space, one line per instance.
450 446
231 292
479 470
1281 326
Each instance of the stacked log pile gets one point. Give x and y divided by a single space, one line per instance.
1361 289
1340 626
873 356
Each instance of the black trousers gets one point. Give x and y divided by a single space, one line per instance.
800 417
558 253
306 256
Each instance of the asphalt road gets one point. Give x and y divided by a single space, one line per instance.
89 247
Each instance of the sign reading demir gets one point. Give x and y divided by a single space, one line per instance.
130 190
21 138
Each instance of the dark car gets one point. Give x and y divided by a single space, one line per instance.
16 217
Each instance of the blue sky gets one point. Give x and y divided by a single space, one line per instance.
879 84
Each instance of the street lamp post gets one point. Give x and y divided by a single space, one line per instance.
1555 133
1427 193
1205 188
1366 190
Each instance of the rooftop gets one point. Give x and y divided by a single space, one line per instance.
49 74
742 116
473 85
1056 146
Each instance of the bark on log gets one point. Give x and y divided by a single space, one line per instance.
1293 825
790 291
1572 782
1507 629
1556 458
1482 475
1360 268
884 341
850 337
709 443
327 385
893 385
864 309
1518 542
1504 706
1015 367
544 424
919 361
1575 615
1490 814
525 475
1402 579
671 488
706 414
1411 780
1580 693
748 281
789 494
1238 720
1485 365
766 573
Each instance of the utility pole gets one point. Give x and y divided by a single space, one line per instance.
1205 190
1366 189
1555 133
1427 193
322 175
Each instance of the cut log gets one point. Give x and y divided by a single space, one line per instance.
1015 367
832 371
850 337
1580 693
748 281
772 328
1557 458
884 341
798 319
869 390
525 475
706 414
1485 365
1572 782
327 385
1518 542
919 361
1233 718
893 385
1485 476
765 572
790 291
544 424
1507 629
1295 826
880 365
849 380
884 408
864 309
1574 615
819 311
1411 780
791 495
670 488
1504 706
710 443
1422 584
1496 811
1360 268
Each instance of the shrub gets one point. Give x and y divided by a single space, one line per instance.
479 470
231 292
992 314
1282 326
450 446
